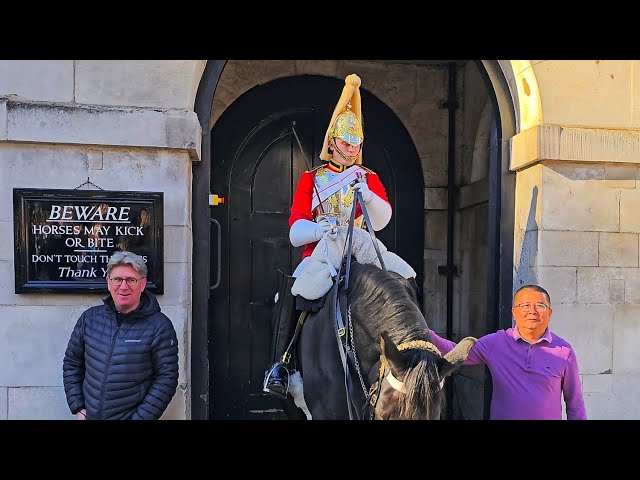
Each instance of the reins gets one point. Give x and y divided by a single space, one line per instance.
369 229
347 351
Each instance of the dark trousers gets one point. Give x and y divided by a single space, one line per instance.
285 316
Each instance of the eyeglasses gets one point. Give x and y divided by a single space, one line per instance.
543 307
132 282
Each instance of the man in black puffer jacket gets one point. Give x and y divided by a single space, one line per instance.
121 362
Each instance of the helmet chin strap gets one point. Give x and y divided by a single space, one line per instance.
344 156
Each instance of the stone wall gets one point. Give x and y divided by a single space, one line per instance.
126 125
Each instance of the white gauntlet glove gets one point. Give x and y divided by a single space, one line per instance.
323 227
379 210
367 194
306 231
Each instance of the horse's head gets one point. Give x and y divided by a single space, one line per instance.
411 380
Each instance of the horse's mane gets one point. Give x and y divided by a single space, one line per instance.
388 302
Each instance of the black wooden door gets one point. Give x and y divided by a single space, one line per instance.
256 163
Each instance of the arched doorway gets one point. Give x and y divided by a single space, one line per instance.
496 279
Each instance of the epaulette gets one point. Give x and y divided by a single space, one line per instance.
315 168
367 169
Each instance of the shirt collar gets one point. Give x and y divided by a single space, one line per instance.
546 336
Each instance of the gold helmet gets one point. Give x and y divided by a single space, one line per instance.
346 122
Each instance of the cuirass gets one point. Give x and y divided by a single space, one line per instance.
338 205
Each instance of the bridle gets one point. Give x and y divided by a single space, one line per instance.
384 372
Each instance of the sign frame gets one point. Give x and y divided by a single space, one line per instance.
23 198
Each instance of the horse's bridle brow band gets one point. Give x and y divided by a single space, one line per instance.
420 345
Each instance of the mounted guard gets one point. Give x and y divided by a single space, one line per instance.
320 214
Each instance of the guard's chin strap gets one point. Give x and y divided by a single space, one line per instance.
344 156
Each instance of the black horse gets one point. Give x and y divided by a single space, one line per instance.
397 373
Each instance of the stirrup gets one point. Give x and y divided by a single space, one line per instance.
274 383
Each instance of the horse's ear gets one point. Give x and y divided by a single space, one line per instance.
454 359
392 354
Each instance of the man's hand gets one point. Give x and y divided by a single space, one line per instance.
82 414
367 194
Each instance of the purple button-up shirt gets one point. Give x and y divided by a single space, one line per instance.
528 380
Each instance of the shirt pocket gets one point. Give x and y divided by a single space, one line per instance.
553 371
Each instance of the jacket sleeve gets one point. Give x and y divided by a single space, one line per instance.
73 367
164 356
301 205
477 354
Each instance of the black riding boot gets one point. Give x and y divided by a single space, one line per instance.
276 379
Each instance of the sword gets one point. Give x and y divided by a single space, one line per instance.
308 164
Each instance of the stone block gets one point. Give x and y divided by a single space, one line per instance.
4 403
38 403
618 250
626 338
144 168
184 132
6 238
3 119
473 194
434 163
625 400
607 85
600 406
38 80
574 198
32 344
435 229
560 282
528 203
616 291
107 126
595 350
177 284
565 248
602 383
22 166
180 318
618 404
7 288
435 198
176 410
94 159
327 68
594 284
180 240
629 208
540 142
161 84
620 176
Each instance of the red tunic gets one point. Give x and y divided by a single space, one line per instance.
301 207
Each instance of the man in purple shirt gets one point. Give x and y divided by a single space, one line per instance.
530 366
